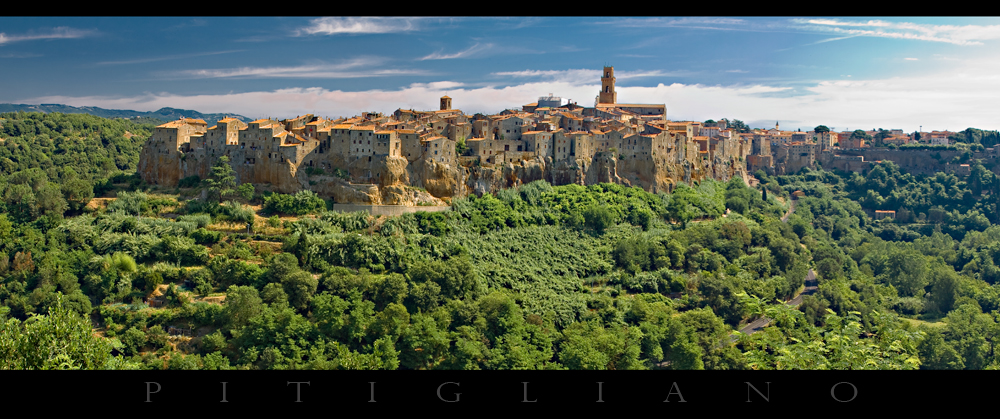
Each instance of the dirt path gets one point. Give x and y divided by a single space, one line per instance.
791 209
98 203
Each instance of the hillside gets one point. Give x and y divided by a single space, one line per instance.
163 114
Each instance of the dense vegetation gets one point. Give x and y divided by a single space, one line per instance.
535 277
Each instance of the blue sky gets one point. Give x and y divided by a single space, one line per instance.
843 72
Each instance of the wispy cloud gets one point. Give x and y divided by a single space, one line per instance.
61 32
20 55
354 68
190 23
696 22
625 75
952 34
819 42
166 58
358 25
911 59
574 77
461 54
834 39
581 76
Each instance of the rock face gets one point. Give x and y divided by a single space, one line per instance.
440 180
160 168
395 181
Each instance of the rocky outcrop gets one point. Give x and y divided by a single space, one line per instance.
160 168
440 180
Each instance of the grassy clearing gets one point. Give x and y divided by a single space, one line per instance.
917 323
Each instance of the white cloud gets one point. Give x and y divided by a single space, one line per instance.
61 32
353 68
358 25
461 54
165 58
952 34
941 101
572 77
625 75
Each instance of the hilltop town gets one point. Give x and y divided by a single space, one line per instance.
423 157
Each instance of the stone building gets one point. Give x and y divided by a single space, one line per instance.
624 143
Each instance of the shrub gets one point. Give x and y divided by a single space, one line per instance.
302 203
200 220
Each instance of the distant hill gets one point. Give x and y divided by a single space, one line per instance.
164 114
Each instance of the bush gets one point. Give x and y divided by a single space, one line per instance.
200 220
206 237
598 218
302 203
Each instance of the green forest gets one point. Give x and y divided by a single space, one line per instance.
100 271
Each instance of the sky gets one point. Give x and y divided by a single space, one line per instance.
843 72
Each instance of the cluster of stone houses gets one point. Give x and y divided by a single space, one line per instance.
551 129
568 132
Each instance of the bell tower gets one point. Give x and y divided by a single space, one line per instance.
608 94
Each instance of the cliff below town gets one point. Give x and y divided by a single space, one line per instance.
389 180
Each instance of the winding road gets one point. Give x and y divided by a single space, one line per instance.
811 286
755 326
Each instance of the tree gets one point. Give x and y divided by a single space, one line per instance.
598 218
821 128
77 192
300 287
880 136
245 191
737 125
242 304
859 133
62 339
222 182
461 147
